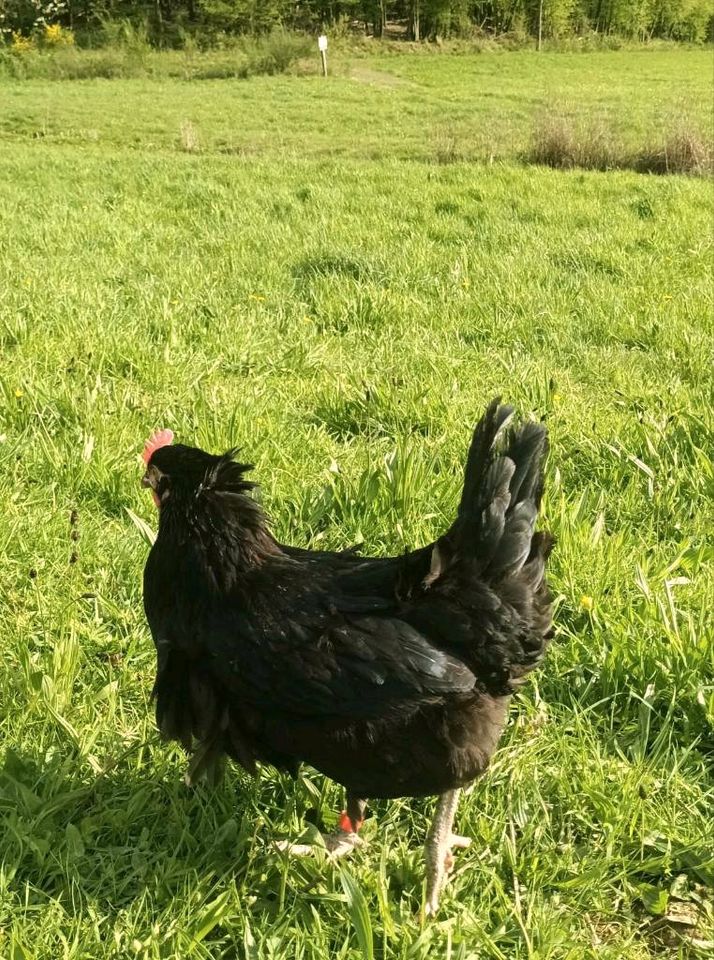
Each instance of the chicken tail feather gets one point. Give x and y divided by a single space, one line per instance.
503 487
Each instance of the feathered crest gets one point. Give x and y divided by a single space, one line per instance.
227 475
208 497
194 471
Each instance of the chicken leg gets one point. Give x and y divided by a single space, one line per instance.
343 840
437 852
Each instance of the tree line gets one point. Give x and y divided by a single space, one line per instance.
170 20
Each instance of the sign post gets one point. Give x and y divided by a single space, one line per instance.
322 47
540 25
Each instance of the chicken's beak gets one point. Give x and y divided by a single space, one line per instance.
146 480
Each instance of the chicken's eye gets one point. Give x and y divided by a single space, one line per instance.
157 481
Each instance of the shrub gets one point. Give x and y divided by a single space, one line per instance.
682 150
558 141
21 44
55 35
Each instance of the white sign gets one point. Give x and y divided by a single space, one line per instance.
322 42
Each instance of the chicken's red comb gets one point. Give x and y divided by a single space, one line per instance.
162 438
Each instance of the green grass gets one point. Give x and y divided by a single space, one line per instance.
429 108
127 53
345 319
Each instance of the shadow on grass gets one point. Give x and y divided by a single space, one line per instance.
112 836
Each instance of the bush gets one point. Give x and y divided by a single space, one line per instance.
129 54
557 141
21 44
55 35
682 150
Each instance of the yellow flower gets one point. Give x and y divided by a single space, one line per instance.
256 296
557 397
19 393
667 296
21 44
56 36
586 603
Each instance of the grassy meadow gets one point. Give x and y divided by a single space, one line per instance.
424 107
325 273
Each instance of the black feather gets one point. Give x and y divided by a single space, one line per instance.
390 675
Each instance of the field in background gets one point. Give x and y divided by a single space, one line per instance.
420 107
313 272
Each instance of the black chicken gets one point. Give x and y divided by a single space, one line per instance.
390 675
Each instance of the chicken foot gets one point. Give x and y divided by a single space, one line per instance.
437 851
344 840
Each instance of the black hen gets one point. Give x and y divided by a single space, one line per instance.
391 675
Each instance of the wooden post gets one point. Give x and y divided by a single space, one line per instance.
540 24
322 46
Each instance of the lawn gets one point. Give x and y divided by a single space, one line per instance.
419 107
306 279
